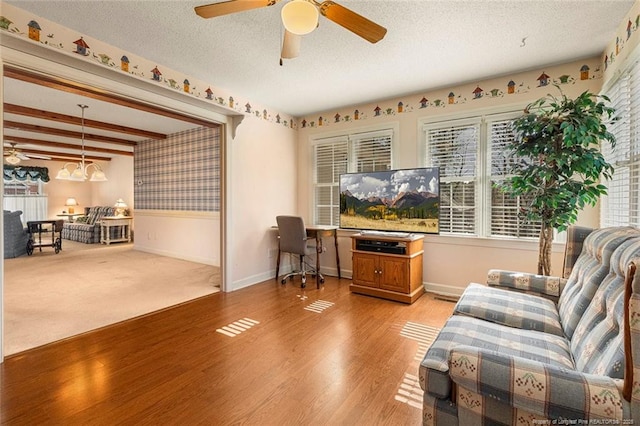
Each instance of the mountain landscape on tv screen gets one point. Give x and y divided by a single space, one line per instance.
385 207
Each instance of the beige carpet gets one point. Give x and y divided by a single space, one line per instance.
48 296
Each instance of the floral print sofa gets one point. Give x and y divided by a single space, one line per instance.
86 229
528 349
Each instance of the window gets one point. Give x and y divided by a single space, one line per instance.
454 148
24 191
14 187
507 218
473 161
28 197
358 152
620 206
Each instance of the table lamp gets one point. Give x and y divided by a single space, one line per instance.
120 206
70 203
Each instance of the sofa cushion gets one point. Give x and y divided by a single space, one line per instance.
97 213
597 343
463 330
575 241
590 269
510 308
15 235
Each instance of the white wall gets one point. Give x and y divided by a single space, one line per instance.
263 184
450 263
119 171
193 236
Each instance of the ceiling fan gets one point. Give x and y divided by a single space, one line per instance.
300 17
13 156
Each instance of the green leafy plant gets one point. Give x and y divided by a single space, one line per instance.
557 142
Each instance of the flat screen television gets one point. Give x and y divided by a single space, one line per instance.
406 200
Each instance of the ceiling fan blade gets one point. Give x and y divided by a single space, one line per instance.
37 157
21 156
290 45
231 6
350 20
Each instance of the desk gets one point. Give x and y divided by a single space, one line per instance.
110 221
317 232
70 216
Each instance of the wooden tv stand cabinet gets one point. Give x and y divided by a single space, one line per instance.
388 266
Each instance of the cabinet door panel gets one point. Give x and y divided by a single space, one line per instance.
365 269
394 274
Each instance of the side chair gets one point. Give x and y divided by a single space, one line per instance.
293 239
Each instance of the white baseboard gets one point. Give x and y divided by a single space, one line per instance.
252 280
166 253
443 289
440 289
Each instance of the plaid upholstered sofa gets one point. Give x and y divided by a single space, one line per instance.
86 229
511 356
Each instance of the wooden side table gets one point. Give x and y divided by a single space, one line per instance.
107 222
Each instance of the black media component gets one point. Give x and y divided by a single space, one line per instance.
392 247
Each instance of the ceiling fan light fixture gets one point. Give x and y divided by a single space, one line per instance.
299 17
12 159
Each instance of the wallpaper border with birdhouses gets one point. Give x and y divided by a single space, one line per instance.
486 93
624 42
19 23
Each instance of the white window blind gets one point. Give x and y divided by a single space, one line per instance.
359 152
331 160
453 147
507 213
620 206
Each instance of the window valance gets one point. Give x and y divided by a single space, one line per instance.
24 173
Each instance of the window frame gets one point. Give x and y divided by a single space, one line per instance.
622 209
483 176
392 128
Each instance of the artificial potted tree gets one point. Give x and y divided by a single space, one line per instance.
559 162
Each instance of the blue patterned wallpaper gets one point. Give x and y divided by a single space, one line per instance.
180 173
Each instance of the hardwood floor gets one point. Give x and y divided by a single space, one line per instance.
340 362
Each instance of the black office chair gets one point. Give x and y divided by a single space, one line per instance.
293 239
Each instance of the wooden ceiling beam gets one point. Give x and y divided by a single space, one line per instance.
91 92
61 145
70 119
65 133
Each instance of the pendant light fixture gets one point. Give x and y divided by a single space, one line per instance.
81 171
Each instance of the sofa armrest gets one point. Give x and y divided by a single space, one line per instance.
542 389
523 281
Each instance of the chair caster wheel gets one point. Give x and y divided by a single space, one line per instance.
283 282
303 285
321 280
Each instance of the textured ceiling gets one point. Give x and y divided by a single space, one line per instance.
429 44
